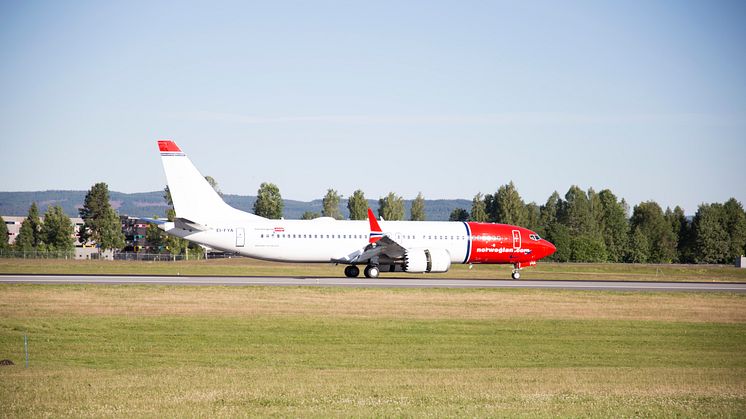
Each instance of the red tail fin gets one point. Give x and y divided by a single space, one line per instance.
375 229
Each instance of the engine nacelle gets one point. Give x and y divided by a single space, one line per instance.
426 260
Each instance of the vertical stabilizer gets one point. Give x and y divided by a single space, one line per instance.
193 197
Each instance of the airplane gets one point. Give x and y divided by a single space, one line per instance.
204 218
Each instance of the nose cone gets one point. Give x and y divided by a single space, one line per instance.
549 248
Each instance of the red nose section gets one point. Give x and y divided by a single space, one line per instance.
550 248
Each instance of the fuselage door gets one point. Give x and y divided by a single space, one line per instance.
240 237
516 239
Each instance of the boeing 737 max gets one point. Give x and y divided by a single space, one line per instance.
389 246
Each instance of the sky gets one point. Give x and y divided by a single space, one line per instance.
646 98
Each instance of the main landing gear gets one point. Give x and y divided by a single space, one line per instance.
371 271
352 271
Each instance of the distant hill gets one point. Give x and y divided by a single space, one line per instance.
151 204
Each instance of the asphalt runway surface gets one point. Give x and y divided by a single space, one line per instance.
383 282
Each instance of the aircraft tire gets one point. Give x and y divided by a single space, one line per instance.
352 271
372 271
516 275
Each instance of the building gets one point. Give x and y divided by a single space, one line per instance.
14 227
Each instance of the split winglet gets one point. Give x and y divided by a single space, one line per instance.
375 230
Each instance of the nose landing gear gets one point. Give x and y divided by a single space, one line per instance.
516 272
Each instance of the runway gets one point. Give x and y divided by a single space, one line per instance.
374 283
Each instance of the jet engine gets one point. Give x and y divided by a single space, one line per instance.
426 260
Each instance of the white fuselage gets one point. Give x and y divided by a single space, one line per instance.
325 239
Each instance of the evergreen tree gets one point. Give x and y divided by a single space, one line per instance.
391 208
548 212
734 219
310 215
560 236
214 184
268 202
25 239
478 209
580 217
533 219
29 236
711 241
508 206
685 243
100 222
358 206
551 228
417 211
639 247
459 214
649 220
330 205
614 225
576 213
57 230
4 245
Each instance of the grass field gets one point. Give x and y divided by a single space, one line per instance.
236 351
251 267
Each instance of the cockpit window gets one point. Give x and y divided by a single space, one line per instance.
534 237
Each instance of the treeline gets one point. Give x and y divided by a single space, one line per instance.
585 226
590 226
55 233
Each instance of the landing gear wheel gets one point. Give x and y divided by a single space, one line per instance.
352 271
516 275
372 272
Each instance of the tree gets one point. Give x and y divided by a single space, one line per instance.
614 225
29 236
268 202
685 244
638 250
649 220
533 218
358 206
310 215
214 185
734 219
548 212
508 206
576 213
417 211
3 235
478 209
677 221
330 205
560 236
57 230
391 207
711 241
156 238
459 214
100 222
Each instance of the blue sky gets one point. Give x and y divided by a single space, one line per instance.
647 98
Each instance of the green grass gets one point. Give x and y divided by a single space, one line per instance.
251 267
178 352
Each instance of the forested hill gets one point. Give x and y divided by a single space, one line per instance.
151 204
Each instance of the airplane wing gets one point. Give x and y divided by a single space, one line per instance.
379 244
